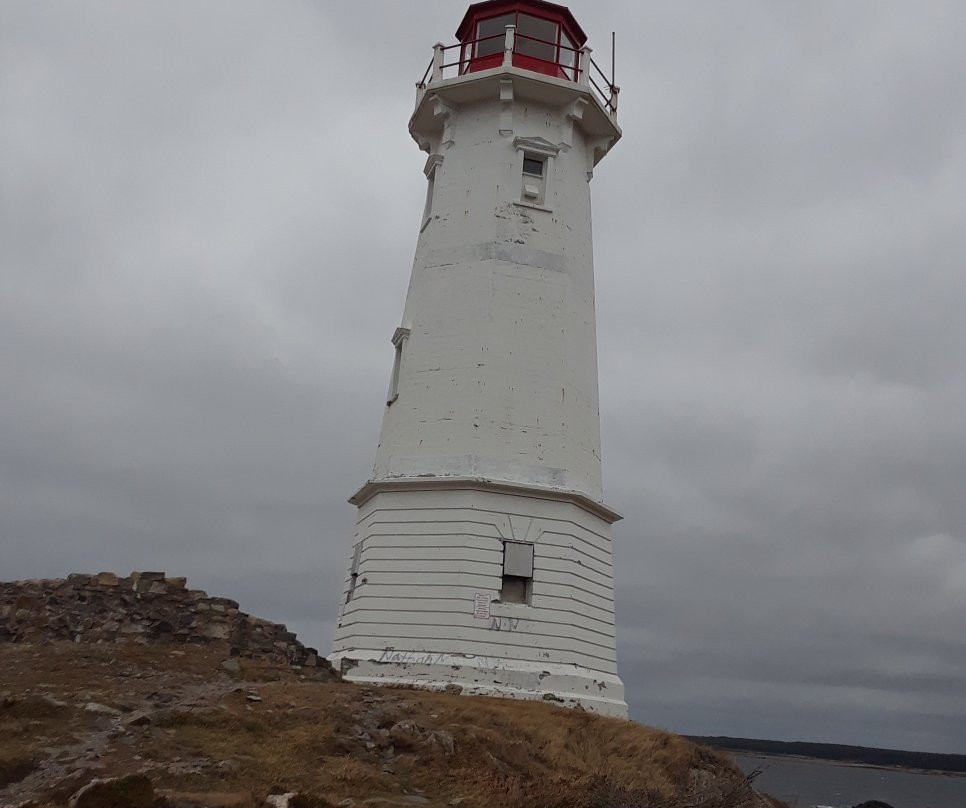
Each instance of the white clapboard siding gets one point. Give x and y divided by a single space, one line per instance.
375 541
405 590
414 602
476 581
508 648
574 606
557 582
385 527
462 602
463 625
441 566
571 546
564 617
460 598
449 518
365 612
570 519
583 575
469 556
463 595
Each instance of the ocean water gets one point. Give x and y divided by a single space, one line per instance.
804 783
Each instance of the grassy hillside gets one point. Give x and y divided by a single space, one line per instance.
205 731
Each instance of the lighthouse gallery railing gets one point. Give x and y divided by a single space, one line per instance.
581 67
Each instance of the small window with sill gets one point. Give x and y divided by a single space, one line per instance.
517 572
534 189
535 162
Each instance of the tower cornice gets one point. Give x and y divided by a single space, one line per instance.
592 506
436 100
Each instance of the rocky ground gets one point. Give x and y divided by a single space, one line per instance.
143 607
192 727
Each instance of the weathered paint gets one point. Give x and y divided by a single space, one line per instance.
426 554
492 432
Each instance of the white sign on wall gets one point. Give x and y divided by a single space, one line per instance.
481 606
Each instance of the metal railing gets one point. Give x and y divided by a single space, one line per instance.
582 70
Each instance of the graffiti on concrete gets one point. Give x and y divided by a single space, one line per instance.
504 623
429 658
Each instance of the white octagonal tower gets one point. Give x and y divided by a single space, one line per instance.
482 558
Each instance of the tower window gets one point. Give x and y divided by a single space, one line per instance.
517 572
354 573
533 166
534 188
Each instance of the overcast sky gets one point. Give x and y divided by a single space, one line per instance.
208 212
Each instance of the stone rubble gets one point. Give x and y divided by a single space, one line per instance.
142 607
279 800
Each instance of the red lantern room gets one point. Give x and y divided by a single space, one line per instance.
545 37
537 43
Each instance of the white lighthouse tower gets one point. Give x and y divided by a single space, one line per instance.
482 559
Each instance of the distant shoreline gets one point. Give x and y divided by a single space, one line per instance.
859 756
844 763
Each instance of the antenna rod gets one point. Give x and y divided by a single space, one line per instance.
613 58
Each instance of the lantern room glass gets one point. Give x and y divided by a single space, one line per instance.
493 28
568 57
537 37
540 44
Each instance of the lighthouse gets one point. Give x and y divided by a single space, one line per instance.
482 559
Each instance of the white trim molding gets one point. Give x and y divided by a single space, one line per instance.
373 487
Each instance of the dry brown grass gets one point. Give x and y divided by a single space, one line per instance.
336 740
14 769
24 724
135 791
